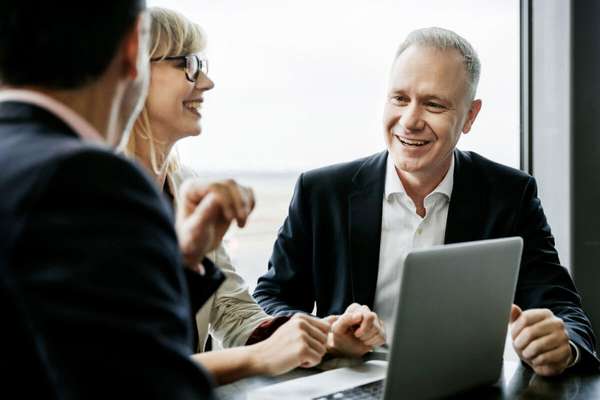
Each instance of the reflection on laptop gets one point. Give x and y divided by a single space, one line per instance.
449 329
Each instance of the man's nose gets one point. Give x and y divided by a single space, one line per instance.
411 118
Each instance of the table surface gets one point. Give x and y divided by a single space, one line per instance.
517 382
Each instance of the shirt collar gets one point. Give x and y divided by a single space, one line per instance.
75 121
393 184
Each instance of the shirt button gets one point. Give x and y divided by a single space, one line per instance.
419 231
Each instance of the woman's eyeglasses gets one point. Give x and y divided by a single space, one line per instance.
193 65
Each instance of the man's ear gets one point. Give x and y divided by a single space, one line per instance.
135 46
472 114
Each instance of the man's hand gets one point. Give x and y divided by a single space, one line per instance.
540 339
300 342
355 332
204 214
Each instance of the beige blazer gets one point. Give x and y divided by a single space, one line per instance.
231 314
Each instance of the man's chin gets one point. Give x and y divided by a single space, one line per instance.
407 164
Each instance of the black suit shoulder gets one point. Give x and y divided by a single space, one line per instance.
342 177
492 172
91 169
94 269
506 191
344 171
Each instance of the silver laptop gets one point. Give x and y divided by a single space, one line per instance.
449 330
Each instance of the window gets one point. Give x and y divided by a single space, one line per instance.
301 84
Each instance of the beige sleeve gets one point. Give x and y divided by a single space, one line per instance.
235 314
231 314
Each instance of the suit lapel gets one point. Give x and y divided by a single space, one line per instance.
467 204
364 215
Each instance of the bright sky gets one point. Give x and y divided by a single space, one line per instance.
301 84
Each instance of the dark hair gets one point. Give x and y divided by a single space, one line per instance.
61 44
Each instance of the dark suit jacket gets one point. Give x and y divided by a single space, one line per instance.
93 297
328 248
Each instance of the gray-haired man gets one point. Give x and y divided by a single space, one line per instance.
351 225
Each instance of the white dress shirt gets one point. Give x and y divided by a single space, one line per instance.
402 230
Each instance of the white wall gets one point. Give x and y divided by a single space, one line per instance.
301 84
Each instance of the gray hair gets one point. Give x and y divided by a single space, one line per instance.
444 39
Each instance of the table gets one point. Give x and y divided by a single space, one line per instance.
517 382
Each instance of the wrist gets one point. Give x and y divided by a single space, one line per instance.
252 359
330 345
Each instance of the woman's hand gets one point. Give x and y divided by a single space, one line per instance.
204 214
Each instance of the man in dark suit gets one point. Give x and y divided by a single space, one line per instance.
351 225
93 294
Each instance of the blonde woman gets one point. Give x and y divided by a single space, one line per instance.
178 82
172 111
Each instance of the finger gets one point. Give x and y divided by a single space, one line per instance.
319 346
377 331
376 340
528 318
315 331
193 190
248 197
310 358
331 319
538 330
207 212
321 324
190 195
548 370
345 323
544 344
227 201
515 312
367 325
559 356
237 200
352 308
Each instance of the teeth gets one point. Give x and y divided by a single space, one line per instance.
413 142
193 104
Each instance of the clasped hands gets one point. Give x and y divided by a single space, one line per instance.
354 333
305 339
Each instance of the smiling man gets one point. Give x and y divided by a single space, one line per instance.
351 225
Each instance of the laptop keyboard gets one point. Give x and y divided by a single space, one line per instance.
373 390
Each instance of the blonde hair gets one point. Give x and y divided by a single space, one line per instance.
171 34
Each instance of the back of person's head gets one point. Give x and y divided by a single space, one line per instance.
171 34
61 44
444 39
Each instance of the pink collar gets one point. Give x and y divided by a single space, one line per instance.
75 121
